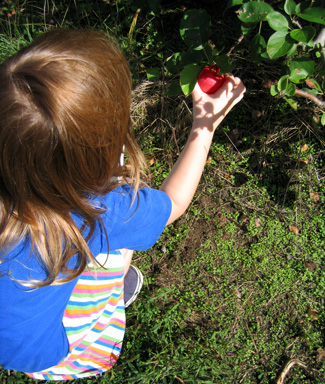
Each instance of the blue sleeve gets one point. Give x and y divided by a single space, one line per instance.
130 224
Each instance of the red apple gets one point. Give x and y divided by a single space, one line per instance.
209 79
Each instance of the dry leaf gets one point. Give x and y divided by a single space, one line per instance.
258 222
245 219
151 161
313 314
314 196
256 114
223 221
311 266
294 229
320 355
310 83
208 161
303 147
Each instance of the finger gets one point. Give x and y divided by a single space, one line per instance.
197 92
229 84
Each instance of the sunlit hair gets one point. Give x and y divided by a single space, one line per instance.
64 119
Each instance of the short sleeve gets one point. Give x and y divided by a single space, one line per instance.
132 221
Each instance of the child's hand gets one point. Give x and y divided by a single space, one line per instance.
210 110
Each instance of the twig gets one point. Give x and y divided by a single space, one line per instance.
174 135
180 380
313 98
233 221
296 22
235 45
287 368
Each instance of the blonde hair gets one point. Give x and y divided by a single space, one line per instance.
64 119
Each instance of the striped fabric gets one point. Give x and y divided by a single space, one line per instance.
94 321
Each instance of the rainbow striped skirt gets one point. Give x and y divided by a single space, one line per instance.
94 320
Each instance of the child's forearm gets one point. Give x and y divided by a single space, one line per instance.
208 113
181 183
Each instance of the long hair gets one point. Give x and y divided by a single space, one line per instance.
64 119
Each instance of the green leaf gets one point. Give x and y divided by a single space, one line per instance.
303 63
223 61
254 12
179 60
283 83
315 15
290 90
277 21
232 3
191 57
298 75
194 28
247 28
174 89
153 73
304 35
257 48
292 50
279 44
293 104
189 78
173 63
311 91
273 90
289 7
302 5
322 120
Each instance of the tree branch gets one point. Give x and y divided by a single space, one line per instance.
235 45
311 97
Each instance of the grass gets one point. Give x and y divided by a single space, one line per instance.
234 290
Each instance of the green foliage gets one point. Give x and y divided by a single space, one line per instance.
291 42
194 28
189 77
195 31
314 15
254 12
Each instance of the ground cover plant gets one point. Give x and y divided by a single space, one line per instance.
234 290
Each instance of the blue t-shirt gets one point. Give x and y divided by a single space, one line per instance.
32 337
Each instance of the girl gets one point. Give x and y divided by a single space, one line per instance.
71 215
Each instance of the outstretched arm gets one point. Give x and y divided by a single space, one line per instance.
208 113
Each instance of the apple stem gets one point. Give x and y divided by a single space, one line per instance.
209 61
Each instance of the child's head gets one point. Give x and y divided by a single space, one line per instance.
64 118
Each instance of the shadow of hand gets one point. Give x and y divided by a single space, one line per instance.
210 110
